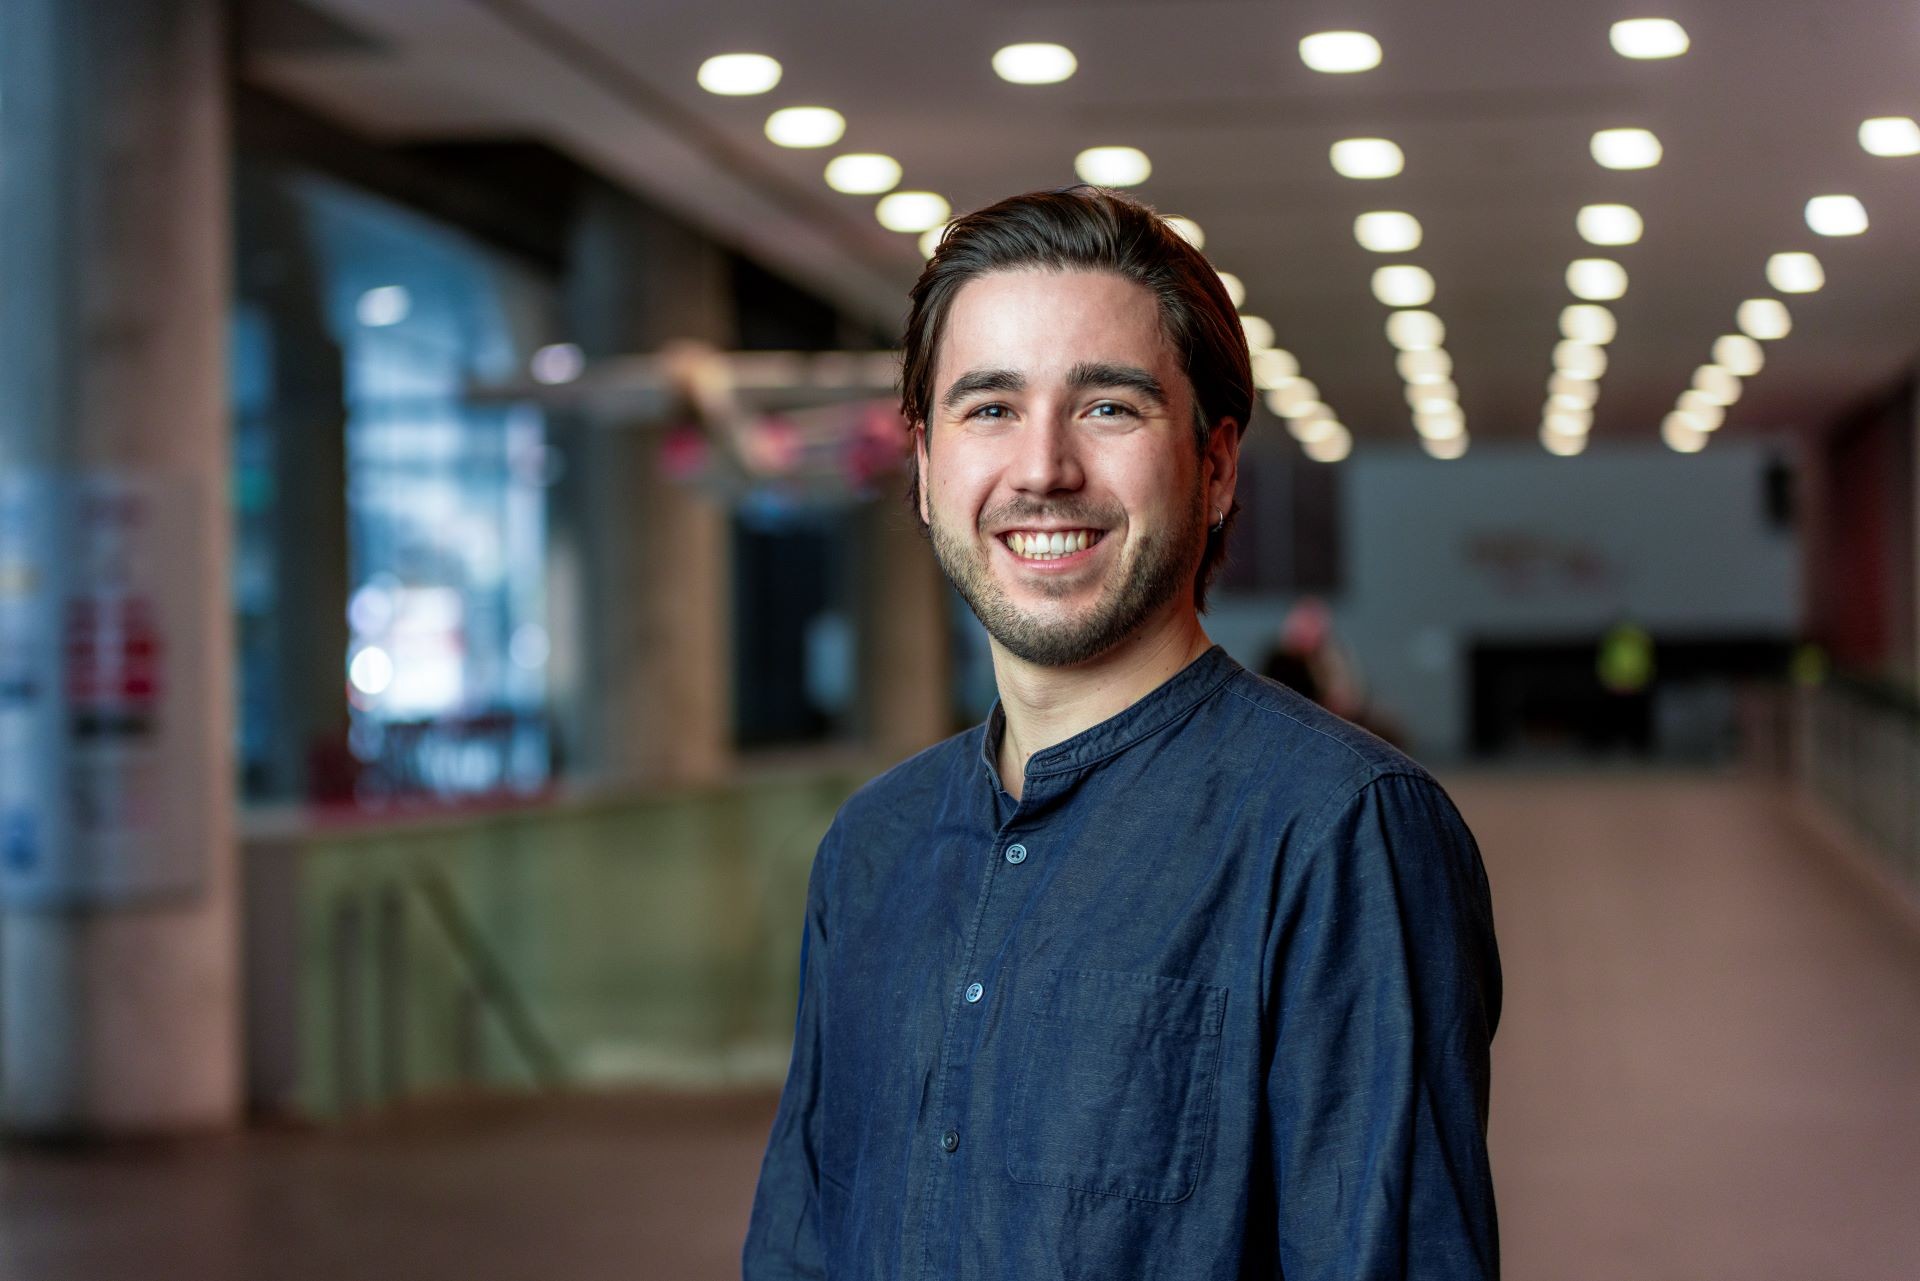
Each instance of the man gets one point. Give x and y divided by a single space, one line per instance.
1163 971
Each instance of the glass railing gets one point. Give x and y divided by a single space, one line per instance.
1858 752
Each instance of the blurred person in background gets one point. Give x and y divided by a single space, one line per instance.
1163 970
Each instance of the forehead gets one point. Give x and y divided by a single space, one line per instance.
1043 323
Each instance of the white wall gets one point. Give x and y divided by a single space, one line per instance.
1512 543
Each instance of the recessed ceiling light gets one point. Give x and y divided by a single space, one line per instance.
1387 231
1738 354
1288 399
1718 385
1580 359
1568 422
1427 398
1682 435
1571 392
1445 450
1403 285
1609 224
1366 158
1837 215
1596 279
1588 322
1113 166
1415 330
1035 64
1313 422
1330 448
1890 136
1707 414
912 211
930 239
738 75
1274 367
1626 149
1564 445
1235 287
1649 38
863 173
1440 424
1259 333
1340 52
1431 365
1764 318
806 126
1795 273
1188 230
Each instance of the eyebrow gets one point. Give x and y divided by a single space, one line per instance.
1086 376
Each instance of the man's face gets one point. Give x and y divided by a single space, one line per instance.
1058 476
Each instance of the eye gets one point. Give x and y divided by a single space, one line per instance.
1112 409
995 410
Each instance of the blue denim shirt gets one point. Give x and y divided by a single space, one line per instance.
1213 1000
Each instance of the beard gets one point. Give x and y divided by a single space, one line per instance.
1160 566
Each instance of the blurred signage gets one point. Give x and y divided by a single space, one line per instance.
101 598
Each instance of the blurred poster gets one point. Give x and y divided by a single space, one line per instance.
101 756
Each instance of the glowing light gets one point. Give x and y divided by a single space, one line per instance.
383 305
1609 224
863 173
1681 435
1433 398
557 363
1366 158
1440 424
1579 359
930 239
1340 52
1188 230
1312 422
1446 449
1718 385
1588 322
1566 391
1738 354
1837 215
1705 414
1331 447
1274 368
738 75
1235 287
1035 64
1568 422
1596 279
1648 38
806 126
1890 136
1259 333
371 670
1626 148
912 211
1113 166
1291 397
1415 330
1387 231
1796 273
1403 285
1764 318
1564 444
1431 365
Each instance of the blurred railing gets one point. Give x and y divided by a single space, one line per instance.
650 939
1857 747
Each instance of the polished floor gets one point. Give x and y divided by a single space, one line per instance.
1709 1067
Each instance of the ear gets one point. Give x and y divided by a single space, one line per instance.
919 432
1222 461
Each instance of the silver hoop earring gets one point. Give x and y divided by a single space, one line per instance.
1220 520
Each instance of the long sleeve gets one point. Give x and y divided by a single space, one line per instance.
783 1235
1386 979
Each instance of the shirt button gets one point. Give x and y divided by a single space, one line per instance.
950 1140
1016 853
974 992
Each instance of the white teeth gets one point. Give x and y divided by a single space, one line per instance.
1057 543
1080 541
1049 546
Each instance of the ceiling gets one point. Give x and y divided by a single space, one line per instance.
1493 104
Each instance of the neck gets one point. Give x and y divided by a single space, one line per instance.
1048 705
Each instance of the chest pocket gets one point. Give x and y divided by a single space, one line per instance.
1115 1092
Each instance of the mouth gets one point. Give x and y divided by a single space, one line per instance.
1048 546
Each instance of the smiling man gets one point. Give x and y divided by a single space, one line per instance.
1162 971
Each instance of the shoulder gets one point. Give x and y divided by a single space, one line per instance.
1275 727
913 787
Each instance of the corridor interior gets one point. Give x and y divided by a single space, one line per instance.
1708 1067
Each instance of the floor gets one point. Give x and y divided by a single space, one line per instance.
1708 1067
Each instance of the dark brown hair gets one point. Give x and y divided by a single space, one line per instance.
1090 229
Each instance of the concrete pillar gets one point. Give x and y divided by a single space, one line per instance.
643 563
118 957
906 667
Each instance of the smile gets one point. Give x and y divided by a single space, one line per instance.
1054 544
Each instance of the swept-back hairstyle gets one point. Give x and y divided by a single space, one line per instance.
1090 229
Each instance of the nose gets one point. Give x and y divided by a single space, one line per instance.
1047 457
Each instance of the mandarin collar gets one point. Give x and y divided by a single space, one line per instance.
1160 706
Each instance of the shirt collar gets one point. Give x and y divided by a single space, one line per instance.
1162 705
